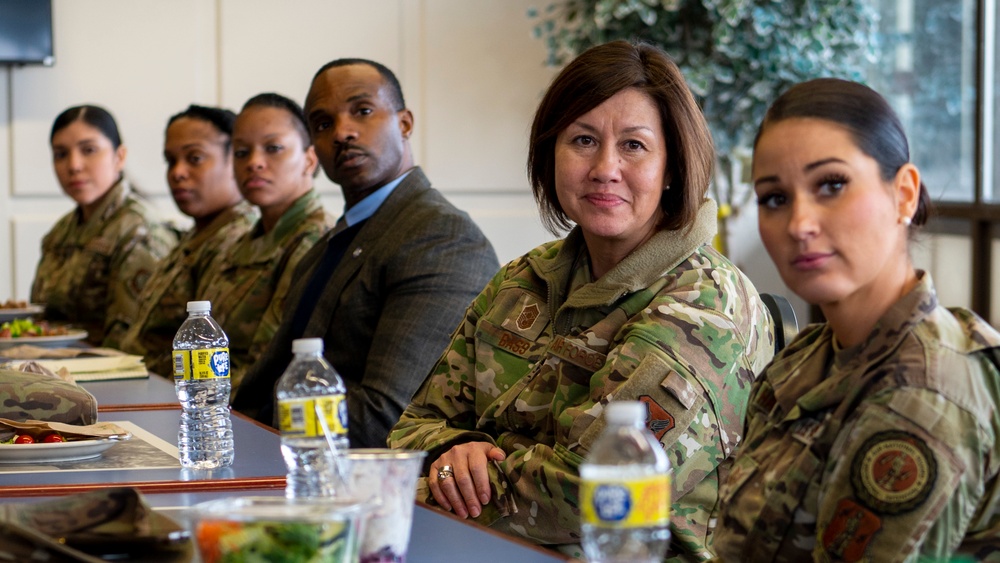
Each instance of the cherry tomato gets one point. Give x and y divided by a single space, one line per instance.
24 439
52 438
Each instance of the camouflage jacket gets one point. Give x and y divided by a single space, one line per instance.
176 281
885 451
247 287
91 273
543 348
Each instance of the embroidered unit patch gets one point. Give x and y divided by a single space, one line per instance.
893 472
850 531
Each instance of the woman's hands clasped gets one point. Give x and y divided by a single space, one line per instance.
465 489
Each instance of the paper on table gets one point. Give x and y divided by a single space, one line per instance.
29 352
100 368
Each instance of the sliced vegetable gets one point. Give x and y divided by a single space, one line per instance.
53 438
24 439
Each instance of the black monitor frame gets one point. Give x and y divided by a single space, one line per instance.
26 32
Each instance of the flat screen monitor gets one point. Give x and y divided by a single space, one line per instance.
26 32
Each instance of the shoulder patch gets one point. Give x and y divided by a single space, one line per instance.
893 472
850 531
658 420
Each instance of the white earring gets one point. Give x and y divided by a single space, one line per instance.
906 221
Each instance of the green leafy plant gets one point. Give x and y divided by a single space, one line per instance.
737 55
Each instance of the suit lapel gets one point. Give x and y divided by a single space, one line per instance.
366 246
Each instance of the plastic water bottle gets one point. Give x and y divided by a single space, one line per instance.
625 490
201 376
311 406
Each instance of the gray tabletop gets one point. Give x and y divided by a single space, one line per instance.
258 462
153 390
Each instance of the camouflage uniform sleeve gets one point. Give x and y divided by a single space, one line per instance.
544 480
899 490
443 411
47 264
271 319
142 244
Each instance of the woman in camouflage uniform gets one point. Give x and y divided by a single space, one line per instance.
634 304
872 436
198 148
274 163
98 257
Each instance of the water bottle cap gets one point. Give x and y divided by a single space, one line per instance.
199 306
625 412
307 345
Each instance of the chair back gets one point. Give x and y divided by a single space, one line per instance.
785 324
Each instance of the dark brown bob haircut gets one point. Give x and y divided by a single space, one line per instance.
591 79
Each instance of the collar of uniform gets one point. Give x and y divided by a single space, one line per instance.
110 203
243 208
303 207
640 269
892 327
789 379
829 386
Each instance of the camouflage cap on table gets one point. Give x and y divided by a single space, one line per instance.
30 396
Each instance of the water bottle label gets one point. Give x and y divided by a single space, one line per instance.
207 363
297 417
636 503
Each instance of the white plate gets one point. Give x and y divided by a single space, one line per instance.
11 314
58 451
44 341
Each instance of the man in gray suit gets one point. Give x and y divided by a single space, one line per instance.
387 286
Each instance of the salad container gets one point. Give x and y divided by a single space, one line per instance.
275 528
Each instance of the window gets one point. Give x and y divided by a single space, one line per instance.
927 71
938 69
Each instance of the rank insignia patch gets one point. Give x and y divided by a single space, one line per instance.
849 532
658 419
529 314
893 472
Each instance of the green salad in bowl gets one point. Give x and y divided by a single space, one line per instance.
274 529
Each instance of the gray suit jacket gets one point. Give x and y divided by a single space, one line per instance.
388 310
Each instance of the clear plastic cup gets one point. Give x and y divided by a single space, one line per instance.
387 479
275 528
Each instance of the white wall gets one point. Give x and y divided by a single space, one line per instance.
470 69
471 72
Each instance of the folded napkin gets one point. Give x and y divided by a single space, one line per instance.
115 521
